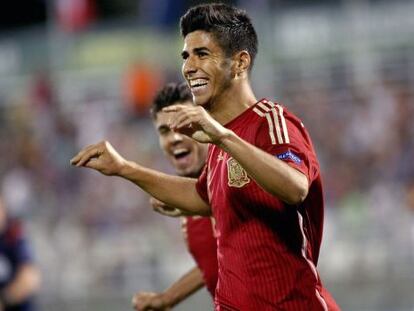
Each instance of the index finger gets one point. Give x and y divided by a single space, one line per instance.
84 156
174 108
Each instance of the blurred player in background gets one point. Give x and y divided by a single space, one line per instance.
19 276
188 158
262 179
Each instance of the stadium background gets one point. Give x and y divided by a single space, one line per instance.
73 72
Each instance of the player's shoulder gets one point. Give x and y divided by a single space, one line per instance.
266 108
277 120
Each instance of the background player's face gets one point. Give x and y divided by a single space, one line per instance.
185 154
205 67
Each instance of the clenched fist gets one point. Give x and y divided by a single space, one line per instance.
149 301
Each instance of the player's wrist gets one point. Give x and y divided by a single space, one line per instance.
168 299
225 139
126 168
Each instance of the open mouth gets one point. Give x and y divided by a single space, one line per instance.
198 84
181 153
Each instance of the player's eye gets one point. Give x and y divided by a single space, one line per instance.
184 55
163 130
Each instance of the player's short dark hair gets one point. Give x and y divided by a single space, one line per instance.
230 26
170 94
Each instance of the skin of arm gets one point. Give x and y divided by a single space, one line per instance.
25 284
165 210
166 188
188 284
271 173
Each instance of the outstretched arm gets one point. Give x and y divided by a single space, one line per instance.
177 292
178 192
274 175
166 210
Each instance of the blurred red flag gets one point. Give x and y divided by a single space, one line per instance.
75 15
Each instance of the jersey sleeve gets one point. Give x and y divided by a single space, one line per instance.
287 139
201 185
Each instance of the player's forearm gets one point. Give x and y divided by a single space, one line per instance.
25 284
272 174
184 287
175 191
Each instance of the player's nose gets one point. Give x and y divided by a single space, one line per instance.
175 138
189 67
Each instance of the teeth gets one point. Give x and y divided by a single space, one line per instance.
198 82
179 151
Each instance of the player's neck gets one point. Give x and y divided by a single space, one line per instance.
233 102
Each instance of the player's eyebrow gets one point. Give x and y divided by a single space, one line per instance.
184 54
201 49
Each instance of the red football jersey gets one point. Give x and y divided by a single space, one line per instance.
199 233
267 249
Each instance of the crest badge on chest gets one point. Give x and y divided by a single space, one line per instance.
237 176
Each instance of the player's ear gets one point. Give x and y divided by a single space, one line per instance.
242 61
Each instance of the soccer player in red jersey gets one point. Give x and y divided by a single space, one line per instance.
188 158
262 179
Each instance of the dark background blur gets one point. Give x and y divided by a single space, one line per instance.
73 72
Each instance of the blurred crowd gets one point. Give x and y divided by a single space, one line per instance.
363 133
96 236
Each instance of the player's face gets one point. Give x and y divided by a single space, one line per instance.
205 67
185 154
